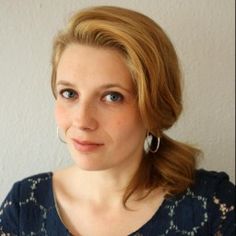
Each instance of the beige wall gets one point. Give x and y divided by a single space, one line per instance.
203 34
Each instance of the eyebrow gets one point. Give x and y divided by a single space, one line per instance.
64 83
106 86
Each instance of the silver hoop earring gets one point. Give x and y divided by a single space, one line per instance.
150 142
59 137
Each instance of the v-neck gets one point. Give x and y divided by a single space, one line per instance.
145 226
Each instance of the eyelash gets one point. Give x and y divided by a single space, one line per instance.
75 95
68 91
113 93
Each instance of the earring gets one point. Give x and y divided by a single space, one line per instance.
150 141
59 137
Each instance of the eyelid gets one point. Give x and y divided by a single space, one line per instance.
116 93
61 91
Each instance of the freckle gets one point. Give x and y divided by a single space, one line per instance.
118 123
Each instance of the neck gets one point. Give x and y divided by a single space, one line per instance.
100 187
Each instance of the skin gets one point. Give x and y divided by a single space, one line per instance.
96 105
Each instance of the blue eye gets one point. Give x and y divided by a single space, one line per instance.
114 97
68 94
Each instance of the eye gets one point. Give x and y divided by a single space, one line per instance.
68 94
113 97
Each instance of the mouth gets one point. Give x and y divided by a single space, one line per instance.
86 145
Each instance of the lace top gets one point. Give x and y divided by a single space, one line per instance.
205 209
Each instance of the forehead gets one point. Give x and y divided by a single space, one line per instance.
81 63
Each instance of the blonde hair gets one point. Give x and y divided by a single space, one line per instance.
154 66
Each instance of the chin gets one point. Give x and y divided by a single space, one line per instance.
88 163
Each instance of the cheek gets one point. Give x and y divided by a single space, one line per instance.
128 124
61 116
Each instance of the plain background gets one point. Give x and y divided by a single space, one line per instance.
203 34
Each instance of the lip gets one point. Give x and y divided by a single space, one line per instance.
86 145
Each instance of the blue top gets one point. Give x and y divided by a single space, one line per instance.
205 209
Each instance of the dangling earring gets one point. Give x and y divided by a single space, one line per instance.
59 137
148 143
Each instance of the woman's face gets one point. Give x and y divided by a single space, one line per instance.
96 108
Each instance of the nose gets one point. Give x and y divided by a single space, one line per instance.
84 116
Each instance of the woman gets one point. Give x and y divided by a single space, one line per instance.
116 82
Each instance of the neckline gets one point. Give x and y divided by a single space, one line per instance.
55 206
153 218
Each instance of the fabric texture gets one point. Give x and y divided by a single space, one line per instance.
207 208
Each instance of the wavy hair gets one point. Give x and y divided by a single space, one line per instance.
153 63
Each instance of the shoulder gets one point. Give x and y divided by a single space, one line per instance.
217 195
205 208
39 183
216 189
26 196
207 175
32 186
213 184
